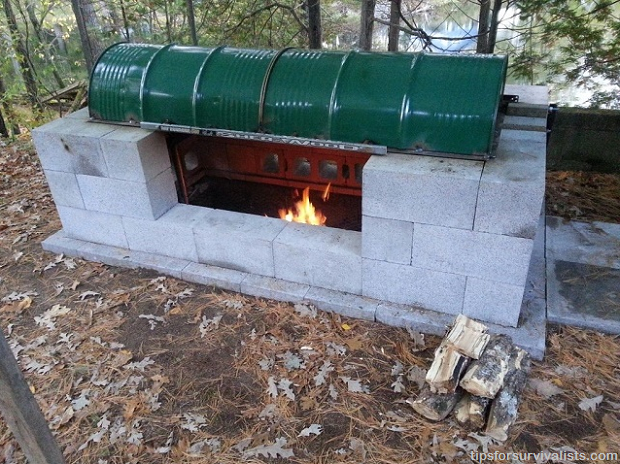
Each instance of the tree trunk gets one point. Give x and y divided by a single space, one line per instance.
27 70
36 25
394 31
89 44
367 23
483 26
8 111
4 132
191 21
497 5
314 24
22 414
125 22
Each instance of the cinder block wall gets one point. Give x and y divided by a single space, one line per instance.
454 236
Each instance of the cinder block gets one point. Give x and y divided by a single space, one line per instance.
276 289
512 186
134 199
65 189
71 145
161 237
345 304
319 256
421 320
242 242
533 94
188 215
135 154
438 291
387 239
488 256
115 256
219 277
421 189
492 301
81 115
59 243
93 226
525 123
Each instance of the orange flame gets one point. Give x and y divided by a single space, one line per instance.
304 211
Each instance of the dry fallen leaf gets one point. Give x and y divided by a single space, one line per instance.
590 404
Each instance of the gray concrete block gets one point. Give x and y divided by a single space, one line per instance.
219 277
532 94
491 301
387 239
135 154
418 319
319 256
536 282
121 257
487 256
525 123
60 243
596 243
397 283
512 186
71 145
421 189
93 226
528 109
161 237
134 199
188 215
275 289
242 242
81 115
532 329
65 189
345 304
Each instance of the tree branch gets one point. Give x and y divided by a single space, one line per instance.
269 7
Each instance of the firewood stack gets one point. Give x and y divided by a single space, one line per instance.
477 376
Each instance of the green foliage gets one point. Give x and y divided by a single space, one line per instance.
579 42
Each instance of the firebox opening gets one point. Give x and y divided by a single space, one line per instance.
302 184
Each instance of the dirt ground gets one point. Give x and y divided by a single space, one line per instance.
132 367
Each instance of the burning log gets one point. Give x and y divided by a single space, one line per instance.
469 337
448 366
435 406
486 375
470 411
504 408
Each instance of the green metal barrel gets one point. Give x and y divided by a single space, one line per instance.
407 101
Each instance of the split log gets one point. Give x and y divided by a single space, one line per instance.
503 412
447 369
435 406
469 337
486 375
470 411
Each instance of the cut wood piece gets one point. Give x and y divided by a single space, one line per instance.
503 412
448 366
486 375
469 337
435 406
470 411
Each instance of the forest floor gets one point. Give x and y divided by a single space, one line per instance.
132 367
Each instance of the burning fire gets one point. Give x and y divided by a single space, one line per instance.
304 211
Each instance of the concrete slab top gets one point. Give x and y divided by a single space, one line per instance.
595 243
426 166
